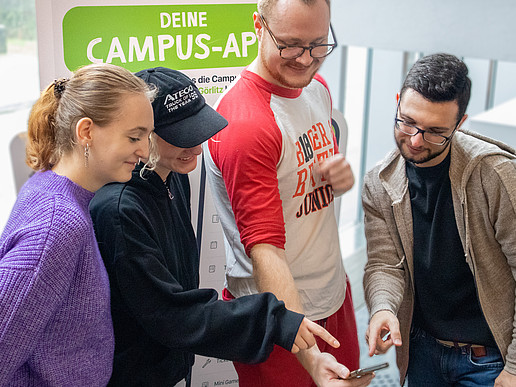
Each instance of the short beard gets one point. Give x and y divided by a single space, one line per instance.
429 157
283 81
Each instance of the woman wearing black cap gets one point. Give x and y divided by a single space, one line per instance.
161 317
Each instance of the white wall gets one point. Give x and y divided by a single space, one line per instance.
476 30
473 28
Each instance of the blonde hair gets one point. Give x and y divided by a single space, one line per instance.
265 6
95 91
154 156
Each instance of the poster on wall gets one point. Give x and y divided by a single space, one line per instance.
210 41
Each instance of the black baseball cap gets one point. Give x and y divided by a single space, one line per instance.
181 115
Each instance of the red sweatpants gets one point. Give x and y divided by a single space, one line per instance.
282 368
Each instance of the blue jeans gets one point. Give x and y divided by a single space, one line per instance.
433 364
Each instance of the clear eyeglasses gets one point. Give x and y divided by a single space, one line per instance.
293 51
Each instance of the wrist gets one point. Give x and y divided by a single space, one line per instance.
308 358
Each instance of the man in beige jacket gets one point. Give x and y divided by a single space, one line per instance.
440 223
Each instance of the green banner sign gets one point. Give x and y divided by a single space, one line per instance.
177 36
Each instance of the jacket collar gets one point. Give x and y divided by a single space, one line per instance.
467 150
393 176
150 180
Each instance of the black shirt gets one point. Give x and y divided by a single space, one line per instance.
446 302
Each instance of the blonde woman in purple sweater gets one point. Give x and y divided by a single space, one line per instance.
55 322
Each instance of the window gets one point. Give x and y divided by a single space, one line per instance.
19 86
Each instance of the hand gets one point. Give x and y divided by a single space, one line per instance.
327 372
505 379
382 323
305 336
337 171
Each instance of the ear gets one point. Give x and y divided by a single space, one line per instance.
258 28
462 121
83 131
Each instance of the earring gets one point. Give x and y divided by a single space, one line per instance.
86 154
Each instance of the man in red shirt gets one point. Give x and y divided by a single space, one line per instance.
274 172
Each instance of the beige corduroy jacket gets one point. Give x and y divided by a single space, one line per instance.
483 183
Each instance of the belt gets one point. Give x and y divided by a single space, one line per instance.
478 350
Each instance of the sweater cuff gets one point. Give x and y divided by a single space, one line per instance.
510 367
288 326
379 307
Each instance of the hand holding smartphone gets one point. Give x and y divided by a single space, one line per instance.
365 371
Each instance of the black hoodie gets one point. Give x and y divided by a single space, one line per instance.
160 316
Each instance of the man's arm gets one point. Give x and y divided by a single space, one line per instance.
384 271
500 192
272 274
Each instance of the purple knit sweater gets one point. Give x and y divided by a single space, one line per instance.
55 321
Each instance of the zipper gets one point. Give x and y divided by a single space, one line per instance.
170 196
185 273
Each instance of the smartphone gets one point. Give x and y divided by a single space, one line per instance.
365 371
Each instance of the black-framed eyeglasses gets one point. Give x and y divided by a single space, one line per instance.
293 51
413 130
